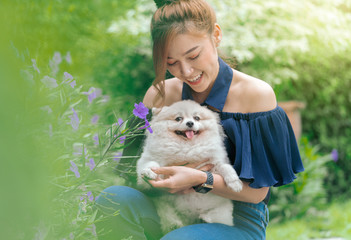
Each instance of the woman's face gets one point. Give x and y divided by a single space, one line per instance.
193 59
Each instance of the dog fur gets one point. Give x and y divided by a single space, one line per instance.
186 131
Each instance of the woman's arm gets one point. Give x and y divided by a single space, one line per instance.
181 179
247 194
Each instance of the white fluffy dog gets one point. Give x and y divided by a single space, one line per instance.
186 131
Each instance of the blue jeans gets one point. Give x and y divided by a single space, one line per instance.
127 212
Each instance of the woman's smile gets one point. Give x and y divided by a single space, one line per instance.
196 80
193 59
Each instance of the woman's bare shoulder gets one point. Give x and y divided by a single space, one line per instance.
173 93
249 94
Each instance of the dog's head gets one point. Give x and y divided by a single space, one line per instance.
185 120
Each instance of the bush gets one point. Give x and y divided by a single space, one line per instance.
325 119
307 194
73 151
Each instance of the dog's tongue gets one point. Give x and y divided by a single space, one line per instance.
189 134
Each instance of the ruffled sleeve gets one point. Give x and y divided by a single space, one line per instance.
262 147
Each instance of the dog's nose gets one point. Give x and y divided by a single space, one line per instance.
190 124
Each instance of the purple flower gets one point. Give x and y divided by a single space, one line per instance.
92 229
147 126
120 121
117 157
122 139
74 169
35 65
73 84
334 155
91 164
95 119
90 196
78 149
50 130
57 57
49 82
140 110
96 139
67 76
93 93
54 63
68 58
54 67
74 120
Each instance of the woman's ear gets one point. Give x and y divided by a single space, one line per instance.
217 34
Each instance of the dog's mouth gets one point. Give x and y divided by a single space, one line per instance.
189 134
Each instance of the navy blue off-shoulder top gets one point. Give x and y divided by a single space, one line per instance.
260 145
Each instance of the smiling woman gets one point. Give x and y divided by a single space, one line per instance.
259 139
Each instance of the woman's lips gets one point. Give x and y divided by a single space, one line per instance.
197 80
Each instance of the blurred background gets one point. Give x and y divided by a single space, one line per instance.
64 64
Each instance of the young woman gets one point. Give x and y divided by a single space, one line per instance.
260 141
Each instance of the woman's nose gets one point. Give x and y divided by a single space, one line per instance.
186 70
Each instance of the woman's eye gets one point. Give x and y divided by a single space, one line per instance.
178 119
194 57
171 64
197 118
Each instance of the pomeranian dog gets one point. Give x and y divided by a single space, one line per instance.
187 132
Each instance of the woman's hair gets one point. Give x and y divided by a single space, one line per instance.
172 18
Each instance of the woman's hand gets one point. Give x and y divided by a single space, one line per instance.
180 179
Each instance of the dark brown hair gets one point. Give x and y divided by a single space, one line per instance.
172 18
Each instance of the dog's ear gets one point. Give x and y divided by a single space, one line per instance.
156 111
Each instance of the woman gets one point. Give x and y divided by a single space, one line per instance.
260 141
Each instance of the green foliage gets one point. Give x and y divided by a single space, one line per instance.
325 120
124 65
85 28
307 194
60 150
334 223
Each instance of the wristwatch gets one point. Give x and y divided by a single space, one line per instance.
206 186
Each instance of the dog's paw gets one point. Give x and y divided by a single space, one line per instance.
235 185
148 174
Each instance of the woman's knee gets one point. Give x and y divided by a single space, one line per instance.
125 200
114 198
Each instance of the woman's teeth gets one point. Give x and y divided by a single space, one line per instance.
195 78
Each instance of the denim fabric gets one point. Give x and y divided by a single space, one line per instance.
126 212
137 217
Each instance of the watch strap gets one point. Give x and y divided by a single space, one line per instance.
206 186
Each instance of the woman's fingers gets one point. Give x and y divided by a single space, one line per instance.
163 183
163 170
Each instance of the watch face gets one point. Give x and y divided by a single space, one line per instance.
204 190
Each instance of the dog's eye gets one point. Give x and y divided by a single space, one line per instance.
197 118
178 119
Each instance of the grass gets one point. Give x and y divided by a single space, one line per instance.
334 222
